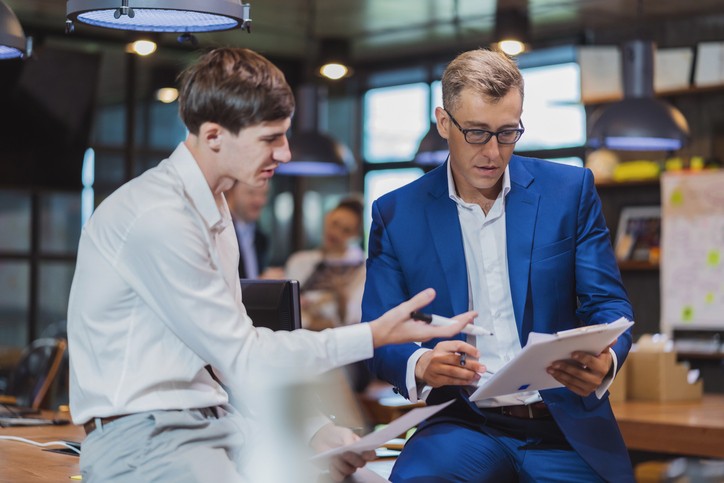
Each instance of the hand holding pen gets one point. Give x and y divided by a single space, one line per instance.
450 363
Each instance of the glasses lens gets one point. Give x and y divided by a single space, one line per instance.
508 137
475 136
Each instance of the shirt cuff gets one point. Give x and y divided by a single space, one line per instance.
606 383
353 343
415 393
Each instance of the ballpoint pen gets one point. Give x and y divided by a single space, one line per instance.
444 321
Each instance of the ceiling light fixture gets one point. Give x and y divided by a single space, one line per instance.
334 58
433 149
160 15
512 30
314 153
141 47
12 38
639 122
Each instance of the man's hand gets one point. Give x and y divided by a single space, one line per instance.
442 366
584 372
395 326
340 466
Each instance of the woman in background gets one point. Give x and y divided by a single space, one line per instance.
332 277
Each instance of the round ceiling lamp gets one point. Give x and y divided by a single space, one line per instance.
12 38
160 15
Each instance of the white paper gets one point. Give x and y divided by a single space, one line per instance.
527 371
383 435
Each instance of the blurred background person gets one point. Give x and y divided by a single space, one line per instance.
246 204
332 277
331 280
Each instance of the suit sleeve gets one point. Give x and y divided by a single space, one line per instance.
385 287
601 294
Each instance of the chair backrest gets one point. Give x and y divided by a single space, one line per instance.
37 368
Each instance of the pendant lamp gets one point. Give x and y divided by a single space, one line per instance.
12 37
160 15
314 153
639 122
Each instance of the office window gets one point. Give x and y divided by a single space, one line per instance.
552 111
395 119
378 183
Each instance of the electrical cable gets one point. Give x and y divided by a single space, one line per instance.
35 443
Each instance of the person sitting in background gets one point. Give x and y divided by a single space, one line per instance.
332 277
246 203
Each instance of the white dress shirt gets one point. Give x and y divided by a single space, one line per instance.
485 245
156 297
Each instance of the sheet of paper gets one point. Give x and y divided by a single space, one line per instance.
527 371
383 435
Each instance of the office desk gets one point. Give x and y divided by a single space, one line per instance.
22 462
686 428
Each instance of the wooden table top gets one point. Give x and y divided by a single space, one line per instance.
689 428
23 462
693 428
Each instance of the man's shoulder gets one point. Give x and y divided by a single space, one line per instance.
544 171
144 197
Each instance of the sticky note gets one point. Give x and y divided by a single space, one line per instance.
713 258
687 313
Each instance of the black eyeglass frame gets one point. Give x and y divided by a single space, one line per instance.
490 134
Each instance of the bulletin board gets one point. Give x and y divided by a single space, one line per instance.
692 251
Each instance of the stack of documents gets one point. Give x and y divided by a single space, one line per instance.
527 371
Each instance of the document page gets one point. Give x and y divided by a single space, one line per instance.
381 436
527 371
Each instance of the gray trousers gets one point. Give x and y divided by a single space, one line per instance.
193 445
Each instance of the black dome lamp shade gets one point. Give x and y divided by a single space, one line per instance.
433 149
186 16
639 122
317 154
12 38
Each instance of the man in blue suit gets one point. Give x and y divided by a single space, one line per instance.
523 243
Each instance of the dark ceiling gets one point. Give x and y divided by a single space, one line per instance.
380 29
391 31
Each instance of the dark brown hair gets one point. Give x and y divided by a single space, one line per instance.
487 73
235 88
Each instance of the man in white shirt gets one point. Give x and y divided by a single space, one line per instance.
156 298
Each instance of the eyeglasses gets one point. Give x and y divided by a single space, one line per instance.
482 136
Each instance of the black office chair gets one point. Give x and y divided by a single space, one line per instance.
35 373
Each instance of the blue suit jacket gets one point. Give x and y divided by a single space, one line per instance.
562 274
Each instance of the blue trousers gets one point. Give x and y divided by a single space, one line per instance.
449 450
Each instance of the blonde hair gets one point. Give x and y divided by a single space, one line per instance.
488 73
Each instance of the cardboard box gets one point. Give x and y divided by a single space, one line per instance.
657 376
618 391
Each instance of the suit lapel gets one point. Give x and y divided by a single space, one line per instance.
521 211
444 224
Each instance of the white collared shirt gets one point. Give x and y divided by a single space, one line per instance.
156 297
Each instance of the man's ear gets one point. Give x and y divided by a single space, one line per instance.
443 122
211 134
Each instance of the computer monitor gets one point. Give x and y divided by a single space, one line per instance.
272 303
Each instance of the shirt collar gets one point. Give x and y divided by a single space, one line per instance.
197 189
452 192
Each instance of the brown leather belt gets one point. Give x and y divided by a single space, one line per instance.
91 425
537 410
